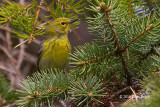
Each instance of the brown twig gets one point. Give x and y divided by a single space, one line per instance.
130 9
127 53
8 37
108 19
21 54
31 38
122 90
48 9
2 37
6 51
134 93
12 60
119 48
6 70
127 72
143 32
27 57
112 105
96 59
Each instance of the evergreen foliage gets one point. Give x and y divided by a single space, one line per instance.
6 93
25 21
86 90
150 85
44 87
125 49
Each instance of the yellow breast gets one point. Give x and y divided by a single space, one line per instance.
55 53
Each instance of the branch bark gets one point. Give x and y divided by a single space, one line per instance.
128 76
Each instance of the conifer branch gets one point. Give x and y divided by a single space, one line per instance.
96 59
69 7
127 72
31 38
152 51
47 7
9 18
108 19
139 35
130 8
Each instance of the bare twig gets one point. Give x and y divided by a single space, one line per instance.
6 51
8 37
112 105
2 37
13 61
30 58
6 70
21 54
26 69
131 98
122 90
127 53
135 96
27 56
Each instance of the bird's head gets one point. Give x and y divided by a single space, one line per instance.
60 26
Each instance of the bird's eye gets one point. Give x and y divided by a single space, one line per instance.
62 23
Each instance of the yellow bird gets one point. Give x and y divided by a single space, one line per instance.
55 50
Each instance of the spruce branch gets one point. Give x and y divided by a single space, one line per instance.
9 18
96 59
140 34
44 85
152 51
86 89
31 38
111 25
127 72
130 9
10 10
84 54
64 4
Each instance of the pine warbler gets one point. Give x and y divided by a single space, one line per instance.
55 50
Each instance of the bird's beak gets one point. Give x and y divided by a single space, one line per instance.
73 20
